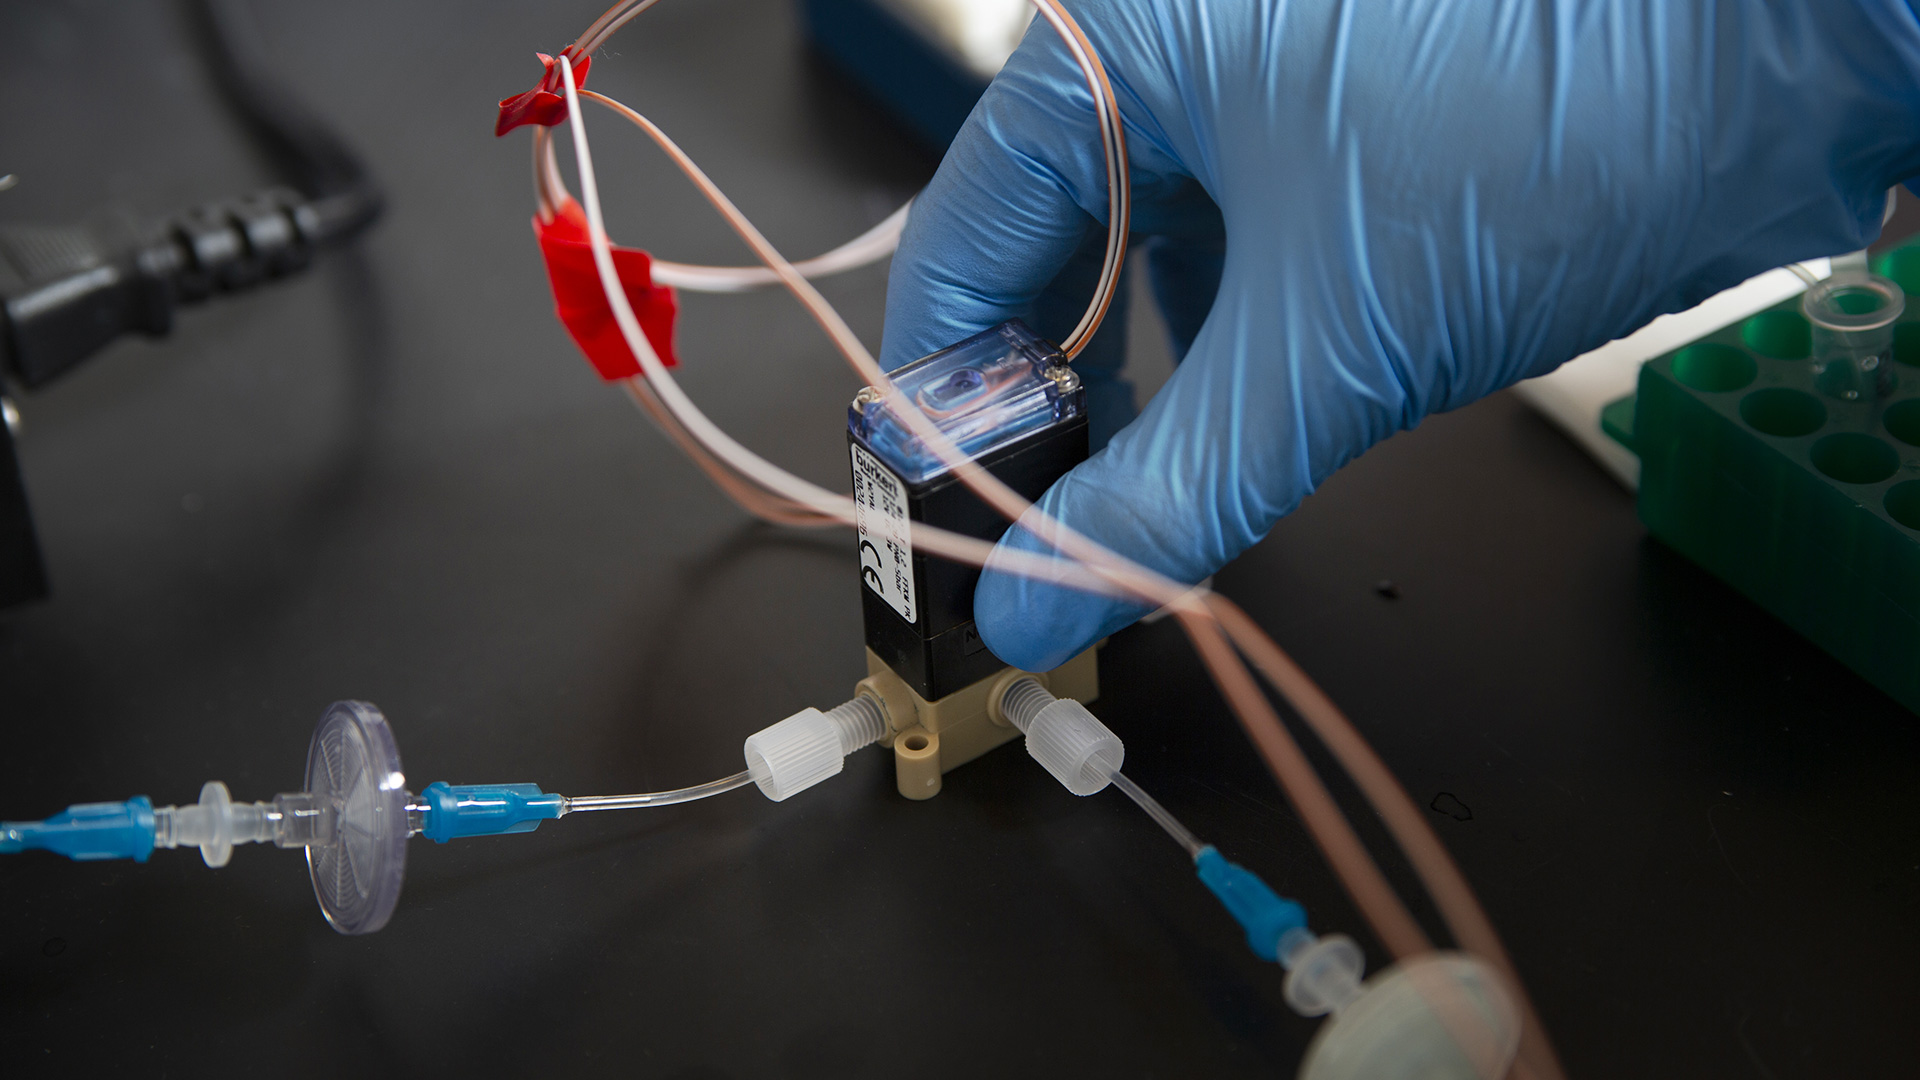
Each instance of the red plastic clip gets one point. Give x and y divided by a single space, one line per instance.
545 104
581 303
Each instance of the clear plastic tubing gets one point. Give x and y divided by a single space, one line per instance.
579 803
1160 814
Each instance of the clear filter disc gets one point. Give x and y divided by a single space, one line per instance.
353 771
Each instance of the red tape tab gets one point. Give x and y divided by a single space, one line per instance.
581 303
546 103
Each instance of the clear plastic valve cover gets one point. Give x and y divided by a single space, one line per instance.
353 771
984 393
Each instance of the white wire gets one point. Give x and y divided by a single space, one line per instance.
869 247
1118 573
723 446
1134 580
550 189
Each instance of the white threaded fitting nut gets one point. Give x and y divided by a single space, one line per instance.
860 722
1022 700
794 754
1066 739
810 746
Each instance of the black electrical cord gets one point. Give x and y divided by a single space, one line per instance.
67 291
308 153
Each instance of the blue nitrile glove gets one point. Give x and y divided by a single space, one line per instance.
1421 202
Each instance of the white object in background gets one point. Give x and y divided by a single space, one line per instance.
1573 396
979 33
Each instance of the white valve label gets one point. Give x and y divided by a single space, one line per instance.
886 539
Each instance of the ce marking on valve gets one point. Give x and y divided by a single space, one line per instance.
870 572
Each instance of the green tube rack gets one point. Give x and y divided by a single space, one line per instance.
1808 504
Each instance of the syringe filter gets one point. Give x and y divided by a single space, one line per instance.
353 771
1439 1016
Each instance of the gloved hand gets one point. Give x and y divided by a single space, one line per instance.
1420 202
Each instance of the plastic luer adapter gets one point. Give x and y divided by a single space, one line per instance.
1009 401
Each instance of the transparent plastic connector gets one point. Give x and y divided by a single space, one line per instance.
984 393
1323 973
216 824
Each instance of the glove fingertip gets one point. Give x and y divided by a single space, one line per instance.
1035 625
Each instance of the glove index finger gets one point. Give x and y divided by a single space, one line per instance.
1006 210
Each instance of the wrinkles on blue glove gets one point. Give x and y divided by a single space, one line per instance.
1178 496
1356 215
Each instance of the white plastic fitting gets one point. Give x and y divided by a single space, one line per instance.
1323 973
1438 1016
1066 739
810 746
216 823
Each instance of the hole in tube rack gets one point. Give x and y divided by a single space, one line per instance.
1906 344
1853 458
1782 412
1903 504
1713 368
1783 335
1903 421
1903 266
